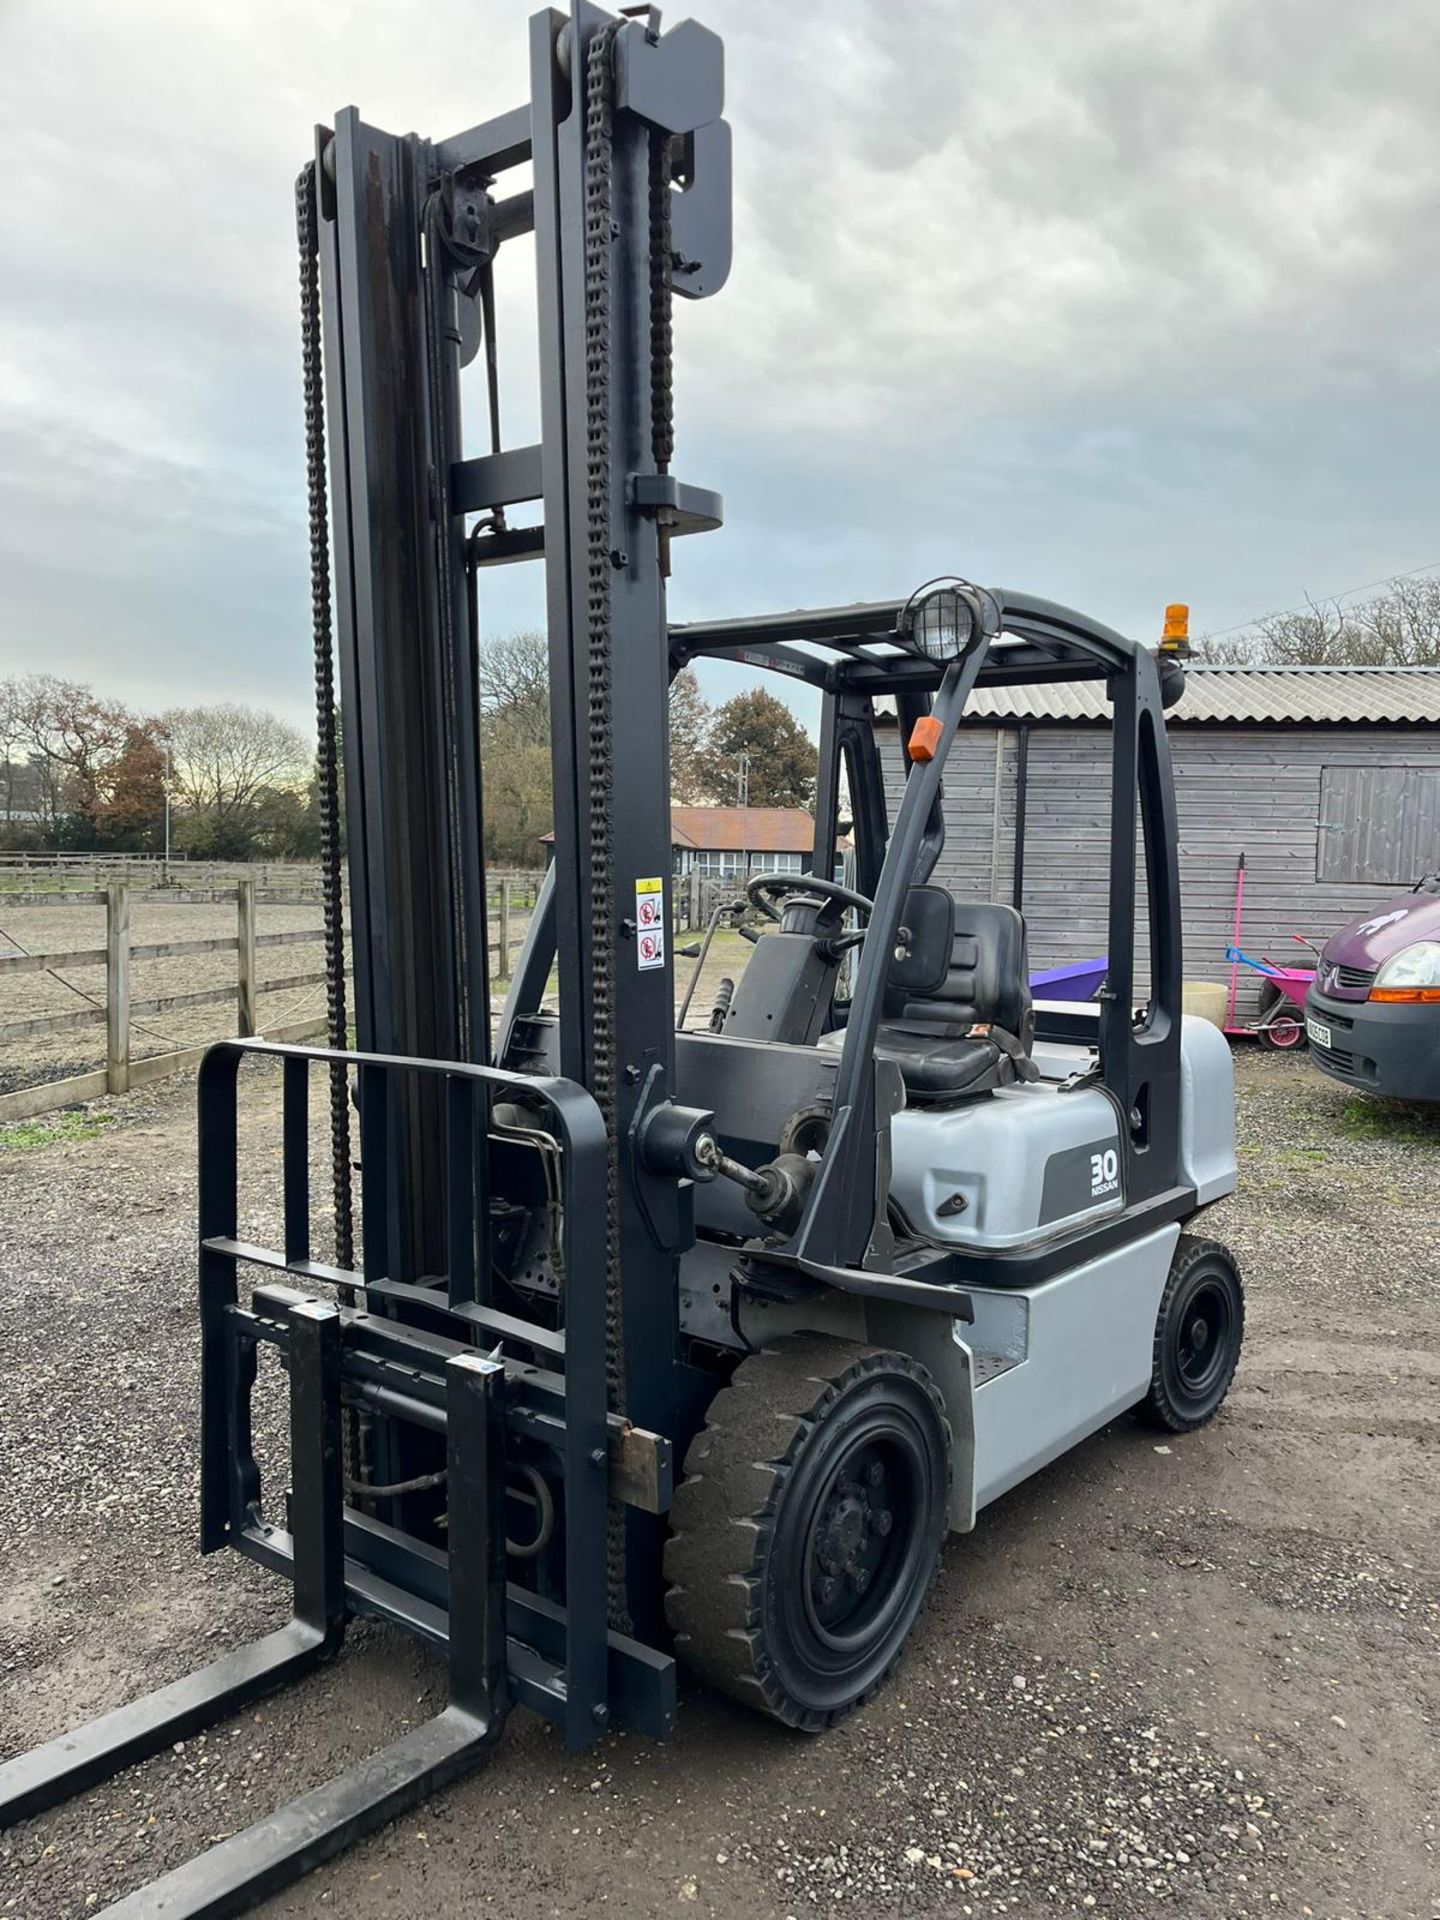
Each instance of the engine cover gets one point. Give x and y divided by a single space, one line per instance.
1008 1169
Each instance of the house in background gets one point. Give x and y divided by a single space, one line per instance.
727 843
1327 779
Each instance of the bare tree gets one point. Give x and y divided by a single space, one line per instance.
223 758
515 684
1227 649
1397 628
515 742
11 734
70 737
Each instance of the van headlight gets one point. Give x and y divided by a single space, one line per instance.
1413 974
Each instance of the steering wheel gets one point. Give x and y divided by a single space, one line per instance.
760 888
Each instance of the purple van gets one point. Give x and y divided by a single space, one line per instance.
1373 1013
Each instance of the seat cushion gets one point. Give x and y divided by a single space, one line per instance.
936 1068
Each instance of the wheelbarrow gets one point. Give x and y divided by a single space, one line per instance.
1080 981
1280 1022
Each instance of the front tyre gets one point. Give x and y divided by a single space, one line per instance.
807 1531
1198 1334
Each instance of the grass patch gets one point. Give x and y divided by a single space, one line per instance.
1300 1156
72 1124
726 945
1366 1119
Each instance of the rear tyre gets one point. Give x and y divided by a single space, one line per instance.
1198 1334
807 1531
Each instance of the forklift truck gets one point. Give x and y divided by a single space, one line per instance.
655 1345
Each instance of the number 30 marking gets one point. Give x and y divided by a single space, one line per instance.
1104 1169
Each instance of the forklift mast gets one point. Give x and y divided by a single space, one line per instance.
628 200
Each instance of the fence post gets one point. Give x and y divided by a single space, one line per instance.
245 985
696 881
117 989
505 928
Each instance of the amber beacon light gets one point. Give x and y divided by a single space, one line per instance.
1176 635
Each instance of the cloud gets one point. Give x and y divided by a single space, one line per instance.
1120 302
1063 203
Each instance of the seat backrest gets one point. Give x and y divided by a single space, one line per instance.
988 979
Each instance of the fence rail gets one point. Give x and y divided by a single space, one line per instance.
62 872
48 857
76 959
303 896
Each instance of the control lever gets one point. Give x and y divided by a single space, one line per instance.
776 1192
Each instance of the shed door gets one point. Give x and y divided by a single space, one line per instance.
1379 826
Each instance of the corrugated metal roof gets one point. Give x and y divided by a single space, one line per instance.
1254 696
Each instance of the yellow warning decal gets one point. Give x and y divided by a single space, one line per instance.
650 923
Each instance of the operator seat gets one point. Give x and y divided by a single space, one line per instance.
971 1032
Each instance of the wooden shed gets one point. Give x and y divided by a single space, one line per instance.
1327 779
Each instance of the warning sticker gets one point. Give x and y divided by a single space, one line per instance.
649 924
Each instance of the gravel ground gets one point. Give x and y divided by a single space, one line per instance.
1198 1678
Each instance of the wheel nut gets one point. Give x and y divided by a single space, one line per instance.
825 1589
882 1520
875 1473
859 1578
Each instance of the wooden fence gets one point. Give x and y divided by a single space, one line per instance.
51 873
698 894
510 903
118 1009
39 880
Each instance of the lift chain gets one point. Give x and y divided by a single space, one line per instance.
662 411
662 348
599 239
327 759
471 1022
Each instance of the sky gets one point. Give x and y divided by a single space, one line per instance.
1120 303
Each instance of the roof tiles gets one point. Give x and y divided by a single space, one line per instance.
1254 696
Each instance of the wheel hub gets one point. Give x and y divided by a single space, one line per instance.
1201 1338
842 1529
848 1544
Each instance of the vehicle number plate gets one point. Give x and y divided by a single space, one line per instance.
1319 1033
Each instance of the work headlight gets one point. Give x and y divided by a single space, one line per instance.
1412 974
940 619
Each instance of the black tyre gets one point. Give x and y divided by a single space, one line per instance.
1198 1334
807 1531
